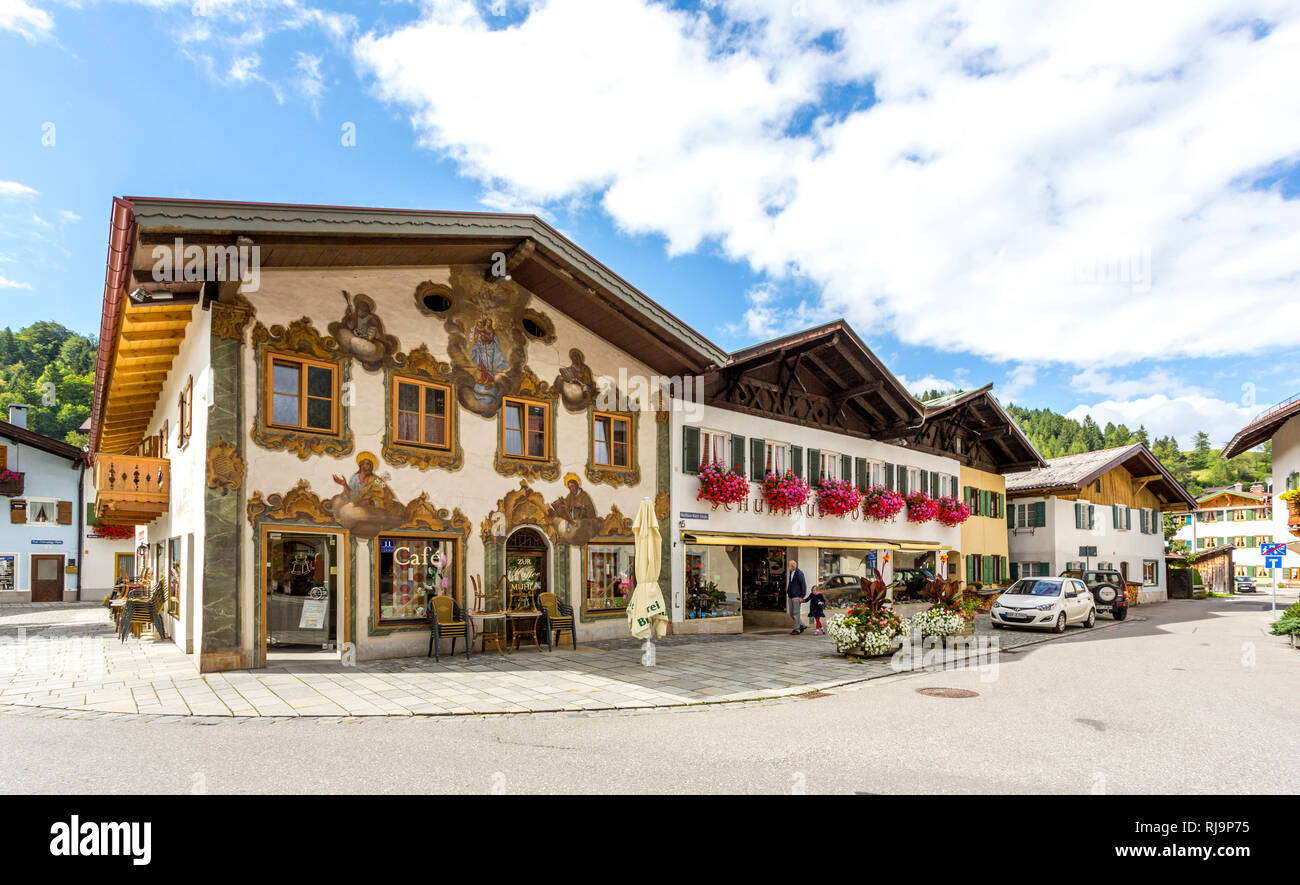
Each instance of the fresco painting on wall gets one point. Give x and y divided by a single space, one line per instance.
366 506
576 383
361 334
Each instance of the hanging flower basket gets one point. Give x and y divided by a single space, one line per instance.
114 532
921 507
720 484
952 511
838 497
881 503
784 494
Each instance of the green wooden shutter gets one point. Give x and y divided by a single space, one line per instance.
690 449
860 465
987 574
846 468
1092 516
757 459
1040 514
1078 515
738 453
902 478
91 519
970 568
814 466
889 476
1114 515
966 496
924 477
985 502
1044 569
796 460
1128 519
1011 516
1002 572
1015 571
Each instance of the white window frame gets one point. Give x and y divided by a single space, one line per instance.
724 438
1155 571
776 454
53 502
1123 518
833 460
1022 517
914 480
875 473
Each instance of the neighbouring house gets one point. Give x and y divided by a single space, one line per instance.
50 547
1214 565
347 413
1281 425
820 405
1240 517
1111 499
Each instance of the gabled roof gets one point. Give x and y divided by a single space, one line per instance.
993 436
1261 429
40 441
1072 472
824 377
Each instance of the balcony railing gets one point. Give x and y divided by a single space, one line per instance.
131 490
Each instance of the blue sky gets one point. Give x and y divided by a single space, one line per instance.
1094 208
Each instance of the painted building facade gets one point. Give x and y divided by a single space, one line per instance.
1281 425
1241 518
1112 500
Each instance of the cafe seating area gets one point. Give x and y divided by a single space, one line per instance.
511 614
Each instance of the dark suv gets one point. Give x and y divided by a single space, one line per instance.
1107 588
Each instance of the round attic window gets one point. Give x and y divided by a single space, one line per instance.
436 302
537 326
433 299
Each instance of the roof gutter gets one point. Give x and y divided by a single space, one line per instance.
121 238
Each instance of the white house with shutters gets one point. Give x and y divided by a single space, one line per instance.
1281 425
1110 500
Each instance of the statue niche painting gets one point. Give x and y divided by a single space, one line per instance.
361 334
486 341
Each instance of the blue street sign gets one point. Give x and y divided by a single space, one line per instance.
1269 549
1272 562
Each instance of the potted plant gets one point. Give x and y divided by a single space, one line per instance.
838 497
949 614
880 503
785 493
720 484
952 511
921 507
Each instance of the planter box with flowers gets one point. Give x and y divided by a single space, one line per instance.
114 532
838 497
11 483
880 503
944 619
952 511
866 631
921 507
721 484
1292 499
784 494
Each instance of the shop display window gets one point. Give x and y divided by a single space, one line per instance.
610 577
410 570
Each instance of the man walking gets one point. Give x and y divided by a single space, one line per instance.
796 588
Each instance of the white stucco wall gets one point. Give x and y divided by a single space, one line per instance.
1286 460
45 476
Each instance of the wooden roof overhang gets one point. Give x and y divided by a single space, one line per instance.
1262 428
823 377
148 338
537 257
978 432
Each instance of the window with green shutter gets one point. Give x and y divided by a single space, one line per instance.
846 468
757 459
796 460
814 466
984 502
860 466
690 449
924 476
1040 514
1002 570
902 478
970 568
738 453
986 574
1011 516
1015 571
966 497
890 479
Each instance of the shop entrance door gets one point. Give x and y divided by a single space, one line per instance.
47 578
527 560
302 597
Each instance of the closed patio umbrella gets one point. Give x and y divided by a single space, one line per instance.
646 616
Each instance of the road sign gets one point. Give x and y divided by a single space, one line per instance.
1272 562
1087 551
1269 549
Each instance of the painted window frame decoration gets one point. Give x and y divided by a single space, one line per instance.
592 547
300 341
421 367
302 367
613 474
422 622
530 391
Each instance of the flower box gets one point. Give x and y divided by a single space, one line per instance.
1293 516
784 494
921 507
11 483
880 503
720 484
838 497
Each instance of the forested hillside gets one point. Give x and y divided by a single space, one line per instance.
51 369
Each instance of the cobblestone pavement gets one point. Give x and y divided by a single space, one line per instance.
64 657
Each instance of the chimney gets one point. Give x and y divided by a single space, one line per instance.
1257 488
18 415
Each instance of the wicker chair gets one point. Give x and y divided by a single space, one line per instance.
449 622
558 616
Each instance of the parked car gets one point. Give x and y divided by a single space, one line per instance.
1107 587
909 583
841 589
1049 603
1244 585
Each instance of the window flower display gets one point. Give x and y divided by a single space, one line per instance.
838 497
785 493
721 484
921 507
880 503
952 511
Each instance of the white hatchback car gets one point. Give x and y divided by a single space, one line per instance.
1044 602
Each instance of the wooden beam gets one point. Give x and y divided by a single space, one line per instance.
515 257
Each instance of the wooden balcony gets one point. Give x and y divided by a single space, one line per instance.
130 490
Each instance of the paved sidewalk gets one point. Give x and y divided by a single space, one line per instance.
64 656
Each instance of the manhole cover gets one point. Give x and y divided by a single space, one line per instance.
947 693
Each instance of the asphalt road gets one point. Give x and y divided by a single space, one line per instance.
1195 698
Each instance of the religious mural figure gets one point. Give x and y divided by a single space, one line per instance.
361 334
366 506
576 383
574 515
490 362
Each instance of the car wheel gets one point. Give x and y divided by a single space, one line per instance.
1120 614
1060 624
1092 618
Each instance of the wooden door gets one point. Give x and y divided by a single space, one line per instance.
47 578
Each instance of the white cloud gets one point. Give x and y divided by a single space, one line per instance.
927 382
1020 379
310 83
38 220
1095 380
68 217
15 189
23 18
1068 172
6 283
1180 416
